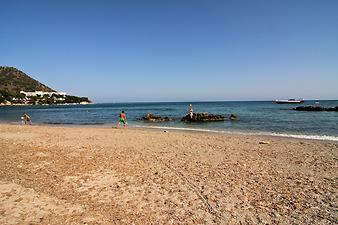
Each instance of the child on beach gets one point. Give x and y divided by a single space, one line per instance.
122 119
26 119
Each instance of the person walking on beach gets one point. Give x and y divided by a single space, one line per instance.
190 111
26 119
122 119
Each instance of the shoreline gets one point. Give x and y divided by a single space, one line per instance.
196 130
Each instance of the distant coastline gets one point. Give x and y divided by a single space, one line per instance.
20 104
17 88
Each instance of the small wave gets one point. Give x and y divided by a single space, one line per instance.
71 123
307 136
299 136
180 128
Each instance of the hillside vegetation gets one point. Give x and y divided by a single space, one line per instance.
13 81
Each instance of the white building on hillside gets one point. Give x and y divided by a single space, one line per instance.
42 93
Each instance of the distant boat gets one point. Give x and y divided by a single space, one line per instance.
290 101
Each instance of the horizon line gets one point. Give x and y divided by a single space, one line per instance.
202 101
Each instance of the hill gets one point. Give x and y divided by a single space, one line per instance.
13 80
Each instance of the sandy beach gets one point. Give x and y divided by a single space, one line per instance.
94 175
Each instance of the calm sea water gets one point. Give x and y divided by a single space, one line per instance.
256 117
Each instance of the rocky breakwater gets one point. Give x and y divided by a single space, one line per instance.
155 118
203 117
316 108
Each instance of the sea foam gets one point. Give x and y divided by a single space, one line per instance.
299 136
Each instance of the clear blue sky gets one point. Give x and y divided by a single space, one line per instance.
175 50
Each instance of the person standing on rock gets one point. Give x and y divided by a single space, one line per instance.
122 119
190 111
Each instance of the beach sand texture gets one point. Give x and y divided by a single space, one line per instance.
93 175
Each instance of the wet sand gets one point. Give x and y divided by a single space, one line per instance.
93 175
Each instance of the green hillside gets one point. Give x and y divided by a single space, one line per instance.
13 81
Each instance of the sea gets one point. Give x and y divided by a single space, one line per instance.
255 117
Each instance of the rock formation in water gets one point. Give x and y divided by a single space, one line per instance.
155 118
233 117
203 117
316 108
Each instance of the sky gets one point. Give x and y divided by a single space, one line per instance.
184 50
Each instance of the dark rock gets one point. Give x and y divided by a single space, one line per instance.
202 117
155 118
233 117
316 108
335 109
